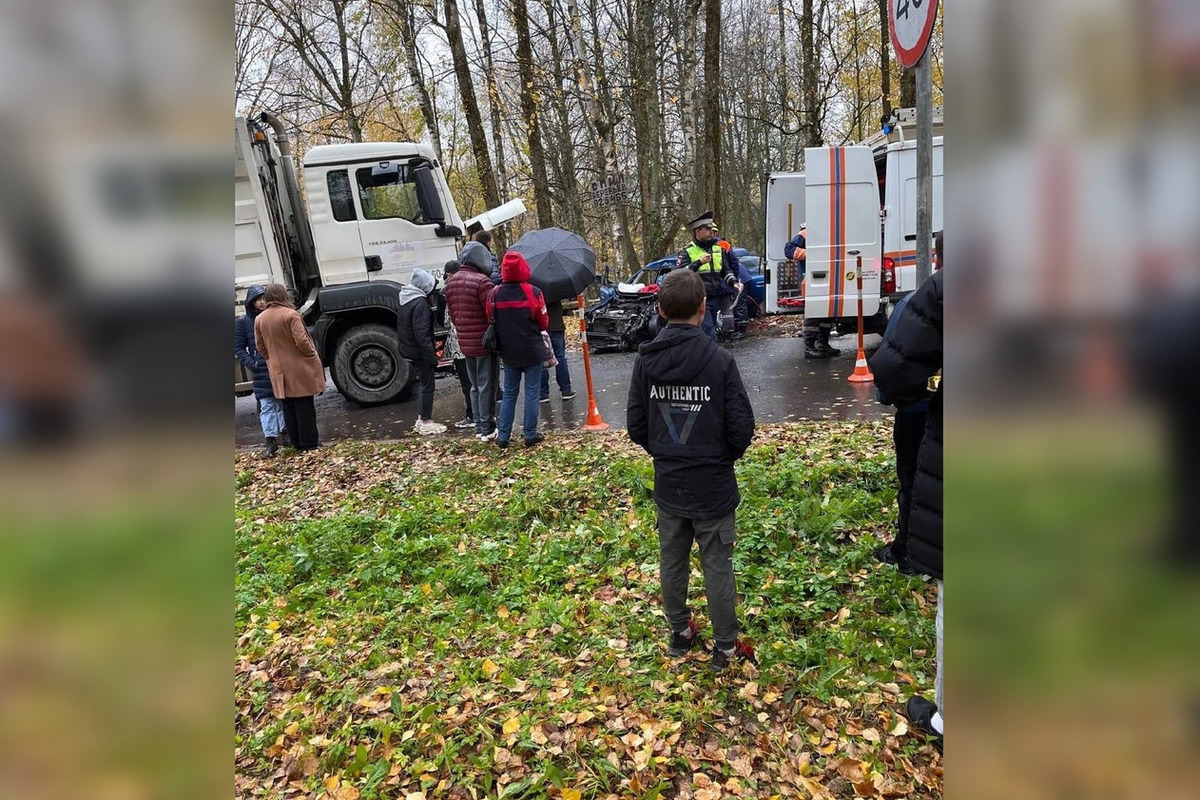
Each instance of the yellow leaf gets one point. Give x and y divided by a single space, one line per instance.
273 625
347 793
502 612
426 589
332 782
512 725
415 796
900 729
292 728
570 794
871 735
489 668
408 735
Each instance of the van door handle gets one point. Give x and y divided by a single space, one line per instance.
820 276
374 264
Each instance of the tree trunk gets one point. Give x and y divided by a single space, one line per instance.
908 88
529 109
809 79
693 183
406 27
462 70
710 106
593 85
493 92
885 57
565 166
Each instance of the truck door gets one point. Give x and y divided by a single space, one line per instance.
842 206
396 235
784 210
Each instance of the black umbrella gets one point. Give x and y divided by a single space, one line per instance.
561 262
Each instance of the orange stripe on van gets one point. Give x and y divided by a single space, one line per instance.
841 303
834 188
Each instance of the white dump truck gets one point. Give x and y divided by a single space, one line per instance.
858 197
375 211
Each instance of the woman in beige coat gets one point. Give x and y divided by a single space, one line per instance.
293 363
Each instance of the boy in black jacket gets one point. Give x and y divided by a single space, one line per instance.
688 409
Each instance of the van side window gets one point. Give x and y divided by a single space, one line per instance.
340 196
388 194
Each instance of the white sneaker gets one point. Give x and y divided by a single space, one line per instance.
430 428
485 437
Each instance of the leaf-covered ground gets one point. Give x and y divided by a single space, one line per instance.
441 619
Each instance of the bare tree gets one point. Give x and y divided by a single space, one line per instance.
402 15
493 94
466 90
531 113
335 77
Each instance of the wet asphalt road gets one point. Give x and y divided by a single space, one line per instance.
783 387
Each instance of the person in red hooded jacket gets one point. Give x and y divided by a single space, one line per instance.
519 311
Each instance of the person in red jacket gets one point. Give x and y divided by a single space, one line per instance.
467 294
520 314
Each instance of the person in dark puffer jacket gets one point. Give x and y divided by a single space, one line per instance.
520 314
270 410
904 367
688 409
414 326
467 294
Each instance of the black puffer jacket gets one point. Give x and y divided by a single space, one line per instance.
245 350
414 326
902 367
688 408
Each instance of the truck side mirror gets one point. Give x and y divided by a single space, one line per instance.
431 202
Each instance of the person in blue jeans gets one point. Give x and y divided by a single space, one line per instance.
558 341
519 311
270 410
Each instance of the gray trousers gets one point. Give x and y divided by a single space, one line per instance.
483 392
716 538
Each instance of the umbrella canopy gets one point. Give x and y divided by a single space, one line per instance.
560 262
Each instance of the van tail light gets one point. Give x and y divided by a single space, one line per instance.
889 276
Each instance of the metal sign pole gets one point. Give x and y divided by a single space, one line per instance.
924 165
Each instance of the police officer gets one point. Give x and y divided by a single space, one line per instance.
718 271
816 332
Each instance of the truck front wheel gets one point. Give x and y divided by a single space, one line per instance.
368 368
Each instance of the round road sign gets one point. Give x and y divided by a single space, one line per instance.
911 25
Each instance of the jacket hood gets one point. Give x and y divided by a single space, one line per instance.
252 294
678 354
418 288
514 268
476 256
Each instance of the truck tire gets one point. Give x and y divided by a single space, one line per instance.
368 368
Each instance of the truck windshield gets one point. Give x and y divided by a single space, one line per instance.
389 196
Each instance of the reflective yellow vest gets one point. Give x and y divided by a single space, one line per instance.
695 253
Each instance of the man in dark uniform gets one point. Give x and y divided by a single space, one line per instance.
816 331
718 271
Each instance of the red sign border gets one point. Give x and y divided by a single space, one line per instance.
909 58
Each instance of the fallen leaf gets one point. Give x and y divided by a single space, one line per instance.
489 668
415 796
512 725
426 589
900 729
347 793
871 735
570 794
332 782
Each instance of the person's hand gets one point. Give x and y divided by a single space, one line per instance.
738 286
704 259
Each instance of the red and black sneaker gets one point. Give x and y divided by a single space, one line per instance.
741 652
682 642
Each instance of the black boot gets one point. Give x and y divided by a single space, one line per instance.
272 447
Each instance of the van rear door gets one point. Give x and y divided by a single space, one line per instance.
842 205
784 204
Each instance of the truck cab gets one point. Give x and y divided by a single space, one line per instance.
375 212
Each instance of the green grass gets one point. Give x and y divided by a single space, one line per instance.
397 603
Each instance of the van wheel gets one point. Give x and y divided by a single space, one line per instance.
368 368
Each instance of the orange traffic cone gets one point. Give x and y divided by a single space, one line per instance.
862 373
594 421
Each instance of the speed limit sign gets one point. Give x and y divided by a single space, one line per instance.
911 24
